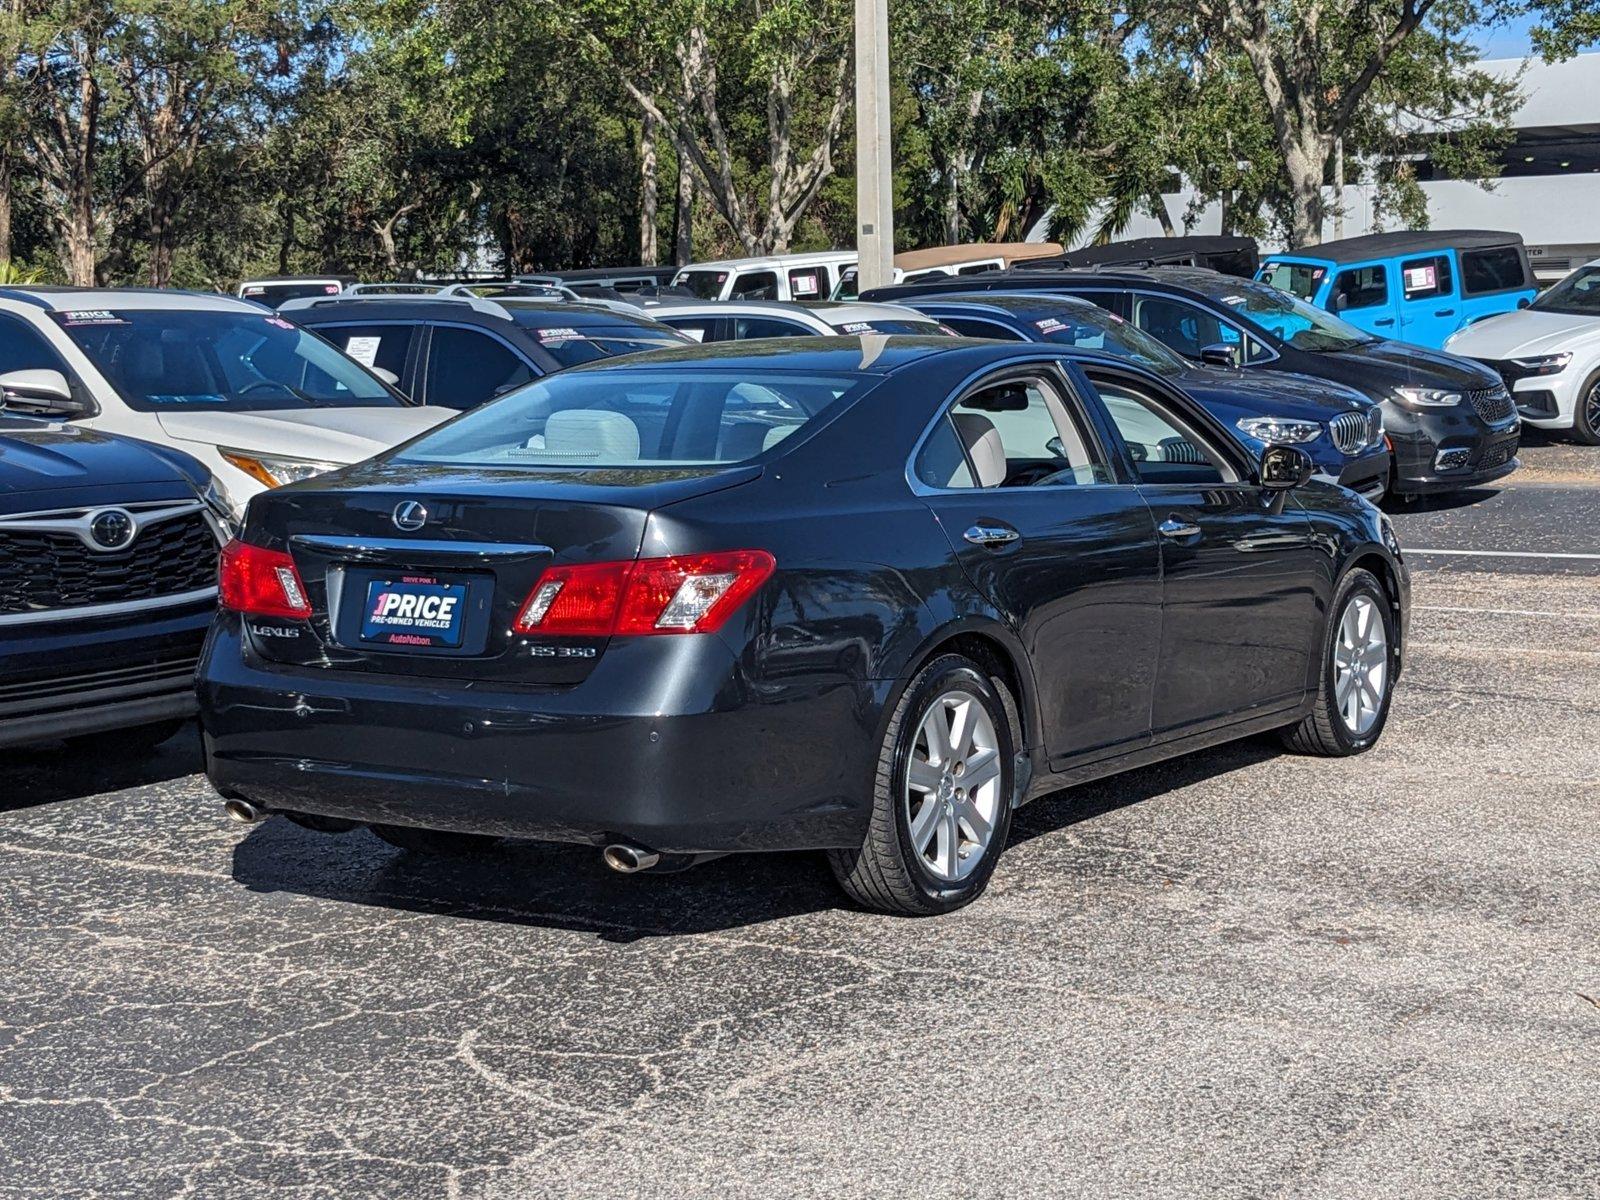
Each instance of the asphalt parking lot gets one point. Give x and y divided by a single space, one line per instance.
1241 974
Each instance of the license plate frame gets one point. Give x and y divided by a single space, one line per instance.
414 610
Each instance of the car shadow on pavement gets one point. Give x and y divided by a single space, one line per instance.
57 771
567 887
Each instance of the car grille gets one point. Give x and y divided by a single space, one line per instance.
43 571
1353 432
1492 404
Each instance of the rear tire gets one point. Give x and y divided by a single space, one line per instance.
1356 682
1586 417
441 842
941 796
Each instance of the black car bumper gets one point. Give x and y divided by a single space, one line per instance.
1449 450
1368 475
666 744
71 678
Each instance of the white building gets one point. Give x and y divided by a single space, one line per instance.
1548 190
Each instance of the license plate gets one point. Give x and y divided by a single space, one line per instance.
414 610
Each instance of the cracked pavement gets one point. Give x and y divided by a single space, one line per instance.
1240 974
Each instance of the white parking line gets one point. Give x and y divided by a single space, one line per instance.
1503 554
1581 614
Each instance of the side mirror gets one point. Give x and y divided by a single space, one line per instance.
1220 355
1339 301
41 391
387 376
1285 467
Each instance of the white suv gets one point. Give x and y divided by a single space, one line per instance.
1548 354
260 401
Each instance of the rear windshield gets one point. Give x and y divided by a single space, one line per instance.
707 285
1298 279
589 341
167 360
274 294
621 418
1092 328
892 325
1577 295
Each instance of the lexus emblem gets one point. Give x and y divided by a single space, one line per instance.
410 515
111 529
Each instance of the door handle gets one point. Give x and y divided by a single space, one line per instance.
991 534
1174 528
1445 312
1385 321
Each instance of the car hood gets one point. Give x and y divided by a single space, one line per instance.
39 456
336 435
1525 334
1380 367
1278 393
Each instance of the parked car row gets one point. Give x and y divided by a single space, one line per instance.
679 576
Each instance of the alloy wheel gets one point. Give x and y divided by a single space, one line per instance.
1591 408
952 790
1360 665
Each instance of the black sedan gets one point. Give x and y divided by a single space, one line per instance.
864 595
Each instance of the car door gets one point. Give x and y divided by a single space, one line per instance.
1430 309
1061 545
1364 296
1240 596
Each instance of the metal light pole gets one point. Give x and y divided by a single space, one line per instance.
874 182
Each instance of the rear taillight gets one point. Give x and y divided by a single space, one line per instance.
691 593
260 582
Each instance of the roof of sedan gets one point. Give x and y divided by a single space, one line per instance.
867 354
1019 303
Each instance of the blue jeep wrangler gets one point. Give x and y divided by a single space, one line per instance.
1416 286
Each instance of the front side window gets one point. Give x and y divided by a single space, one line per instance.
1188 329
1361 287
466 367
639 418
1014 434
164 360
1577 295
1164 447
706 285
755 285
1426 278
1497 270
383 346
1290 320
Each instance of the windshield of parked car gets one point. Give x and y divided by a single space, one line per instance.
1093 328
1292 320
1298 279
707 285
1577 295
588 340
636 418
166 360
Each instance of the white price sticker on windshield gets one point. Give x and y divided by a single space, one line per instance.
363 349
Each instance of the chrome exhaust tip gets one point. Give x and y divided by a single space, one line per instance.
626 859
244 812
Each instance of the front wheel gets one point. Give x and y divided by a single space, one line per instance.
941 796
1586 420
1358 657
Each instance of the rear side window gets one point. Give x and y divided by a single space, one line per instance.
23 348
383 346
768 327
466 367
808 283
1361 287
637 418
1425 278
973 327
755 285
699 329
707 285
1496 270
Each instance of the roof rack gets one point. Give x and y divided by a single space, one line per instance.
430 296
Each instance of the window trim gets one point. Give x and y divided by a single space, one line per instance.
1047 368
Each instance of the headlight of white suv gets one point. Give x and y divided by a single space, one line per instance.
1428 397
272 470
1543 364
1280 429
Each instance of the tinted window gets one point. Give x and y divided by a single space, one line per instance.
769 327
384 346
1090 328
637 418
1290 319
705 284
1496 270
973 327
1577 294
808 283
1164 448
1361 287
23 348
164 359
699 329
1425 278
941 463
1181 326
274 294
755 285
466 367
978 268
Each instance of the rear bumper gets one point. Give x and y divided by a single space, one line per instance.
666 743
74 678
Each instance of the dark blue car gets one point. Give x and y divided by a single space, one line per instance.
1339 427
108 562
